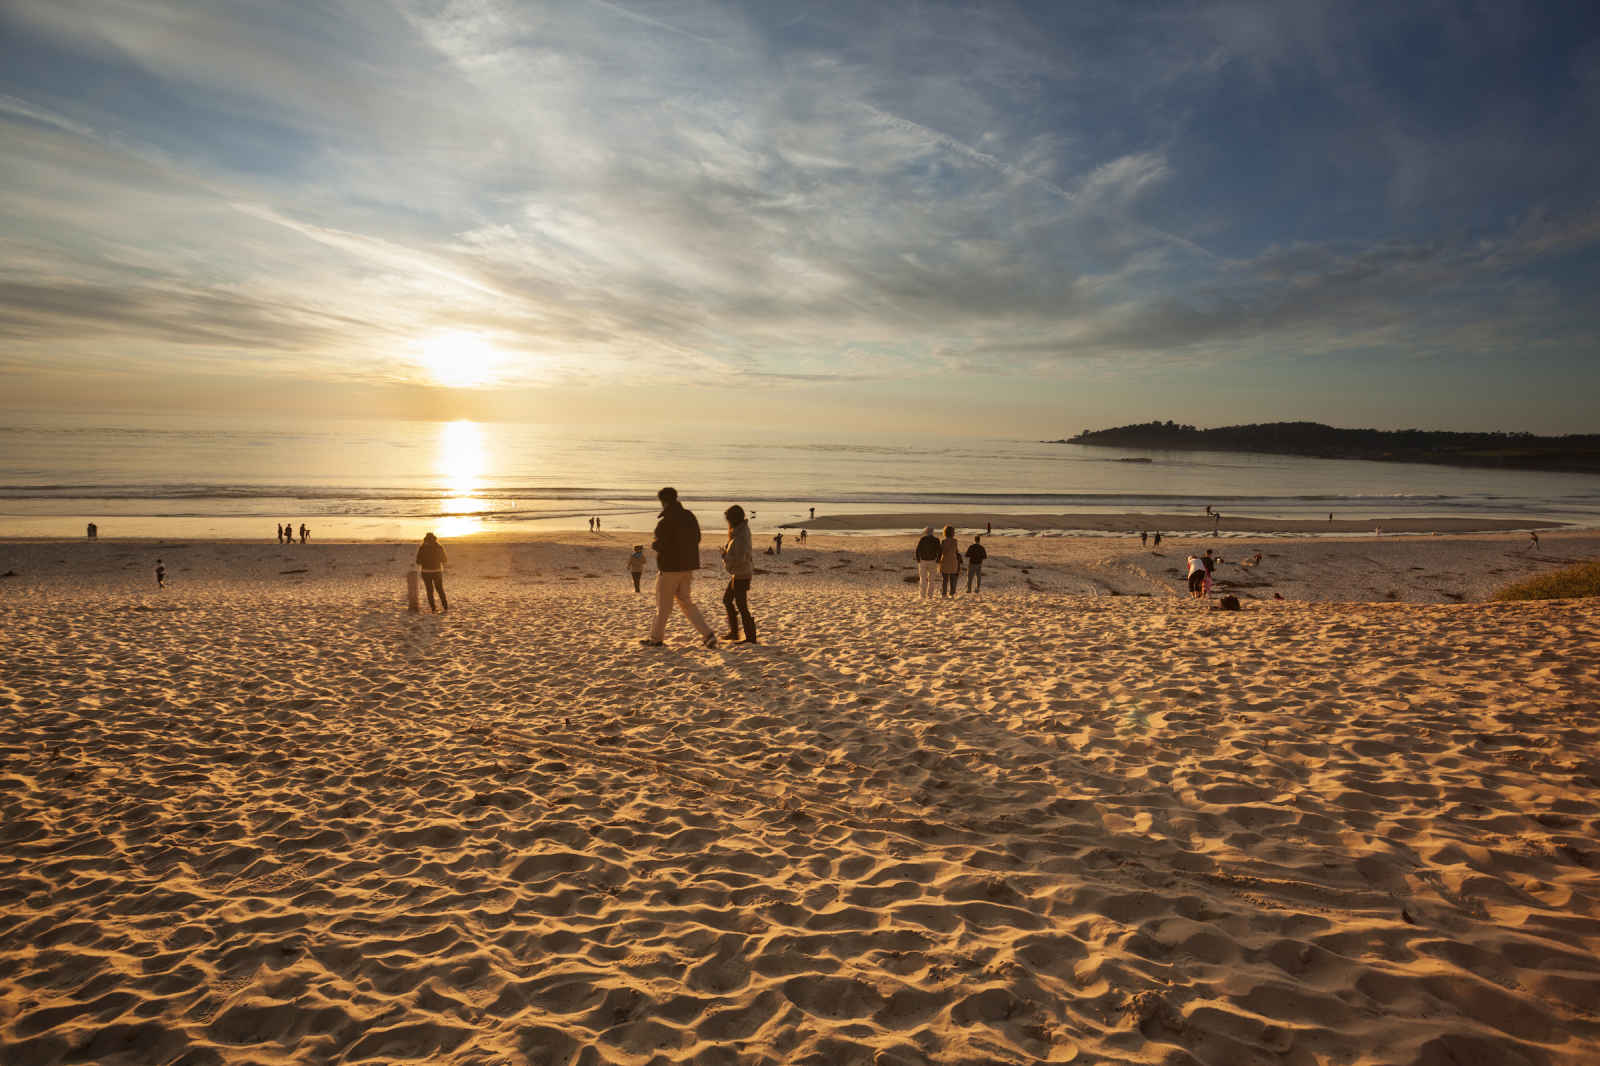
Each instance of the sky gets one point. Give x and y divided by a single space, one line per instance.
1014 219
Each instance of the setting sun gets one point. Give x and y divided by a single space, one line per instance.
459 360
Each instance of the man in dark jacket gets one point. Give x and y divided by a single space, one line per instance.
976 554
677 548
928 552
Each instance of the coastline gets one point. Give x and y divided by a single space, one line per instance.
1125 522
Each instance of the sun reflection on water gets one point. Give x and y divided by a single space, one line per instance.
460 464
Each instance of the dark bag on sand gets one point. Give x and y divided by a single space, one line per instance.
1229 603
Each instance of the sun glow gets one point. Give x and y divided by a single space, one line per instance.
459 360
460 464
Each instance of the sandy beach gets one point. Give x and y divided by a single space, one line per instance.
267 816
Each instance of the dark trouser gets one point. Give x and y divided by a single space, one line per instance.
737 595
431 582
975 573
635 574
950 583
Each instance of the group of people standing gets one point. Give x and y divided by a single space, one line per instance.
940 562
286 533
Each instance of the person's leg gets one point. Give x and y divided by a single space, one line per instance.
728 597
681 593
635 580
664 588
444 602
427 584
741 598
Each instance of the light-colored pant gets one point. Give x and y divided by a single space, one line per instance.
674 585
928 571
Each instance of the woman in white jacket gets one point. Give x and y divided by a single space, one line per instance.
739 559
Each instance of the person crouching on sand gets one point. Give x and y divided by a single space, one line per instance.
636 564
431 560
927 562
949 561
739 560
677 548
1197 576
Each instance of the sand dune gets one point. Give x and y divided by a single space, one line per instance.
269 817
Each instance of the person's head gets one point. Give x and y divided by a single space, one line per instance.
1208 551
668 496
927 531
977 538
734 515
429 538
638 547
949 531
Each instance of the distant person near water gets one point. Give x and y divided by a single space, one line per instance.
976 554
988 527
813 512
777 543
802 536
161 575
636 564
304 532
431 563
1157 540
1533 539
94 531
677 548
280 532
597 523
927 556
591 523
949 561
739 560
1144 538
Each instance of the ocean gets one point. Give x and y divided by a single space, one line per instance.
206 476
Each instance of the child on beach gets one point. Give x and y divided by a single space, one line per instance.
161 575
636 564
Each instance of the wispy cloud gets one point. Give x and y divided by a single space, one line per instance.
626 191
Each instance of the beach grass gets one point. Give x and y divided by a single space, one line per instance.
1568 583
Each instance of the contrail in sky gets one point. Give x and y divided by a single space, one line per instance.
944 140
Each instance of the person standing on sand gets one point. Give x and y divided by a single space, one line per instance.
739 560
1533 539
927 562
280 532
988 527
161 575
431 561
1157 543
677 548
949 561
636 564
976 554
813 512
93 531
777 543
304 532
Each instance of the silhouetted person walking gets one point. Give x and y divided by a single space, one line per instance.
280 532
677 548
739 560
161 575
94 531
1144 538
304 532
431 562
